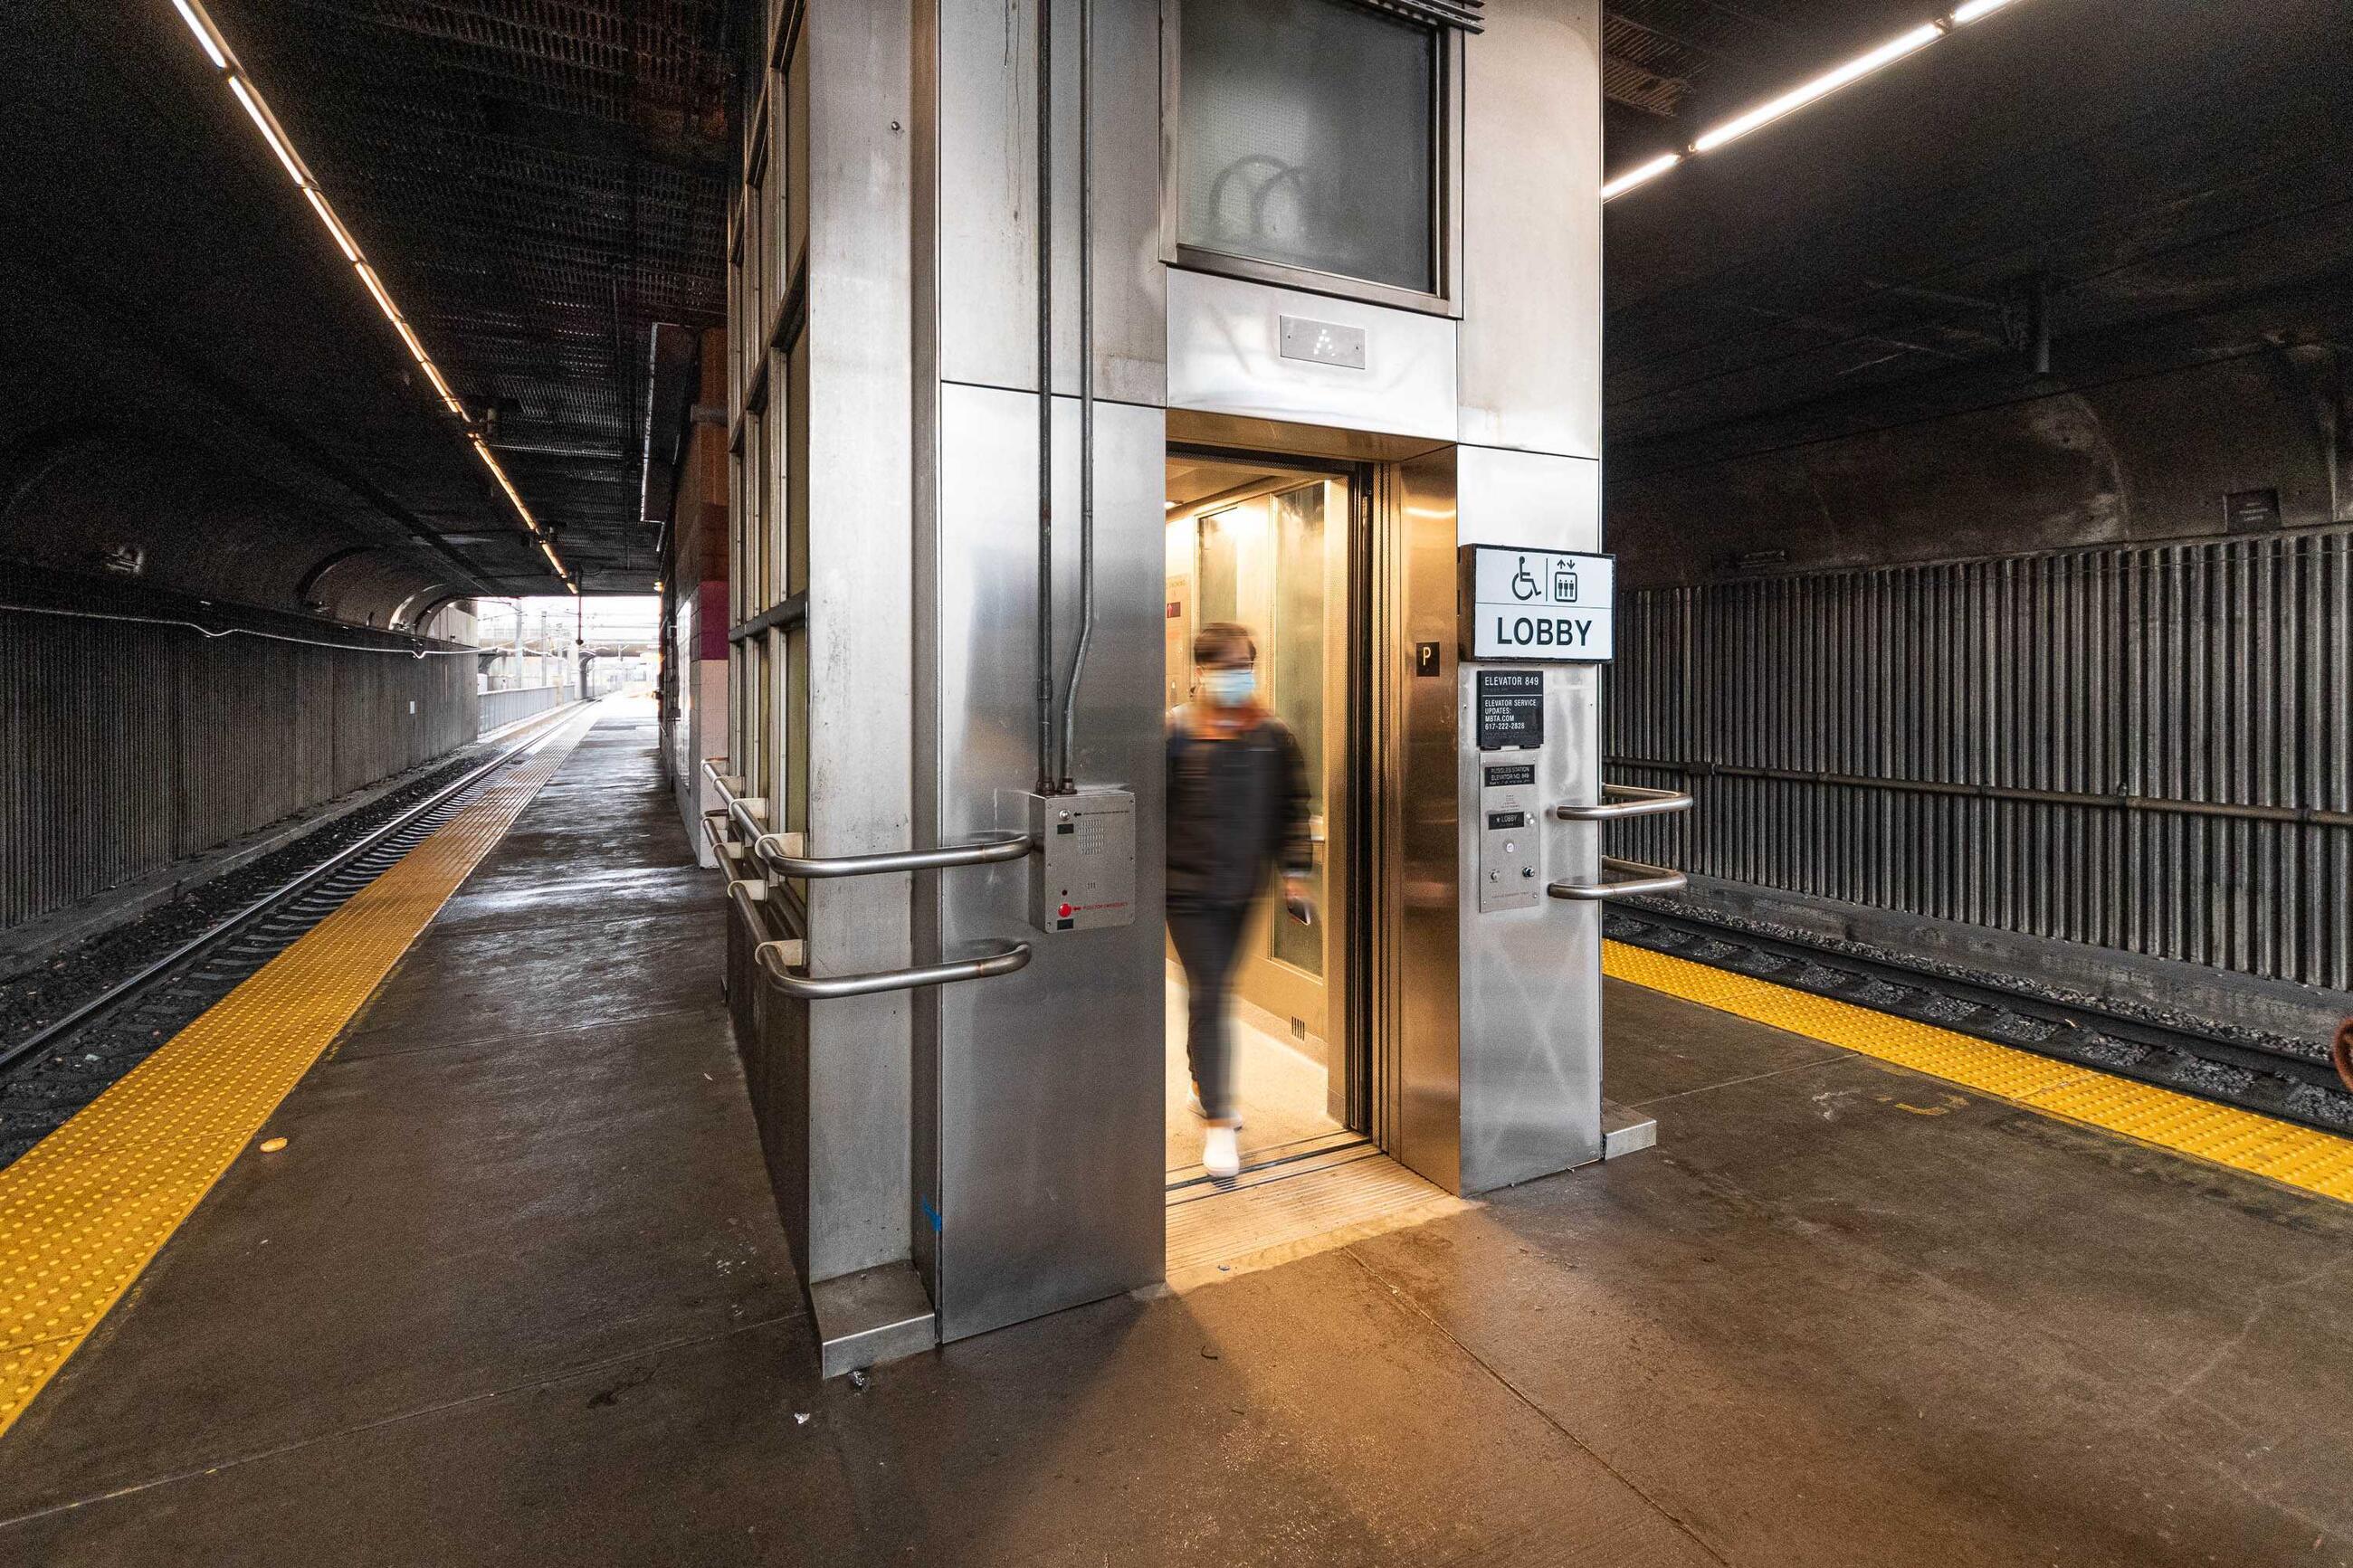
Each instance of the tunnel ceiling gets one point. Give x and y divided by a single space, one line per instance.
537 186
2174 168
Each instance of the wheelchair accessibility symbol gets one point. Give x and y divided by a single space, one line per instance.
1524 586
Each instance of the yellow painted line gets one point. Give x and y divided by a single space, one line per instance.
84 1211
2283 1152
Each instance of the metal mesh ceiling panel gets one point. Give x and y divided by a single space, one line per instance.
540 182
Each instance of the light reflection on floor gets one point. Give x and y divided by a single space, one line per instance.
1281 1089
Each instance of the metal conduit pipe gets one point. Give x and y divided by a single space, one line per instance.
1045 396
1086 391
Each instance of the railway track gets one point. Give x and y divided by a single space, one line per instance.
2269 1075
51 1072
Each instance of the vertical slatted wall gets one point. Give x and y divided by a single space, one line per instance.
2146 748
125 747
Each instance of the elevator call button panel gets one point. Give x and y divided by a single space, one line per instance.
1083 874
1509 716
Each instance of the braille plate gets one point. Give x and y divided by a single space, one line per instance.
2279 1150
85 1210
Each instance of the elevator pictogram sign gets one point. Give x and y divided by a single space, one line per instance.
1537 605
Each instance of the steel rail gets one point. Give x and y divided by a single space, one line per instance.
213 936
1621 880
779 851
1620 801
785 853
783 961
794 982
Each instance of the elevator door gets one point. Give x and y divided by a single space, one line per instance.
1268 549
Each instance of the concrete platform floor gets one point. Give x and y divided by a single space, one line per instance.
515 1294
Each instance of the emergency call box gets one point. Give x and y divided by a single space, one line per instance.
1082 868
1527 606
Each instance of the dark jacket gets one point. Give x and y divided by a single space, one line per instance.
1236 809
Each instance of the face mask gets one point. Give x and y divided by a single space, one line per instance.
1229 687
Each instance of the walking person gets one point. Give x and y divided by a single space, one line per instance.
1237 814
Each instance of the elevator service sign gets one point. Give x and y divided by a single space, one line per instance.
1524 605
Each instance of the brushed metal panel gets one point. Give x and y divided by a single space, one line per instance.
858 412
1424 1094
1534 498
987 174
1225 356
1531 346
1049 1121
1531 979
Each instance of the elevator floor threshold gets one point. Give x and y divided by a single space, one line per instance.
1274 1213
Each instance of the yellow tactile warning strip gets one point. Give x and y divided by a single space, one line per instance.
84 1211
2299 1156
1238 1230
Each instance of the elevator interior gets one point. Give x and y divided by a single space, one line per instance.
1263 543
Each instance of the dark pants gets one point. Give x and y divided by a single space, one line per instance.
1208 939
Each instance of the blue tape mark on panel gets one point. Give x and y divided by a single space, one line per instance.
932 1215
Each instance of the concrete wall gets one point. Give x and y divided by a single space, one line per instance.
128 745
2145 458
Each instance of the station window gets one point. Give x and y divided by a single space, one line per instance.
1310 146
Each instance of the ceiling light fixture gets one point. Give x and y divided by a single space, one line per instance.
216 50
268 131
1797 98
204 35
1640 174
333 225
1822 86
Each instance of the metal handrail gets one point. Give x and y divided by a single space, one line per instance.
1625 800
714 833
794 982
786 853
784 961
781 853
728 785
1631 877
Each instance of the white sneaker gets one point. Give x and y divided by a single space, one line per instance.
1193 1104
1219 1156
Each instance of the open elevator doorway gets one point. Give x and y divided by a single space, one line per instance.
1273 545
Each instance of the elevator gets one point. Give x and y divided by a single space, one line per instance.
1065 328
1272 545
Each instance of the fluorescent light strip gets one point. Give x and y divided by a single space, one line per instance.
204 35
383 300
334 225
1640 174
269 132
448 398
1822 86
1888 53
217 51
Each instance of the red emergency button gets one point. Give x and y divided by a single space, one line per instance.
1064 911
